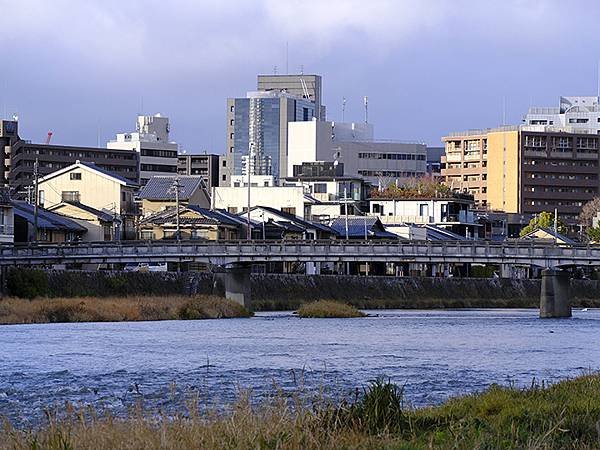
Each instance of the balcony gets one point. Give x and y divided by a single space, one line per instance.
453 157
473 157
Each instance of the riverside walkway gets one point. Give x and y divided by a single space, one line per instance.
241 253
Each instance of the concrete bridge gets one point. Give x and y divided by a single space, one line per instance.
238 256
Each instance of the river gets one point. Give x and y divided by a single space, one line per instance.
434 354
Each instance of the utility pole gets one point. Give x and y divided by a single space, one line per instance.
36 176
250 152
175 187
346 209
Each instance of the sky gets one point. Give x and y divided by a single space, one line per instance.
85 68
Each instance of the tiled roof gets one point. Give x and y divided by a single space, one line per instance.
46 219
161 188
550 231
357 225
434 233
104 216
307 224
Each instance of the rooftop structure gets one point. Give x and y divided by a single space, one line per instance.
573 114
158 156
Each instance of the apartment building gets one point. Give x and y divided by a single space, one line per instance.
525 169
205 165
20 156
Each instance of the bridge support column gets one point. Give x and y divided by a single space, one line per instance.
555 295
506 271
237 285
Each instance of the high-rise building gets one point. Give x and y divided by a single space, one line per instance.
525 169
572 114
380 162
304 86
257 132
158 156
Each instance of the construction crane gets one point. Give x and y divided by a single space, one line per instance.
48 137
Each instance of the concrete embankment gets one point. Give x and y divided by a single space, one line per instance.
288 292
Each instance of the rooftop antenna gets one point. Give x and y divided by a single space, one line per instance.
366 103
274 70
302 69
287 58
343 108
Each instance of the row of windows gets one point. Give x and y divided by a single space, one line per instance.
158 168
553 176
159 153
393 156
388 173
107 154
554 203
533 162
559 189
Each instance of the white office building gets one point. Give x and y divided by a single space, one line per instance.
573 114
158 156
380 162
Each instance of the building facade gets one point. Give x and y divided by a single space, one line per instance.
525 169
379 162
157 155
572 114
304 86
257 131
204 165
20 156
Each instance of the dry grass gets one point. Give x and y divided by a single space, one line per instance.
564 416
328 309
112 309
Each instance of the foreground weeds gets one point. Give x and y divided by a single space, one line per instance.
112 309
563 416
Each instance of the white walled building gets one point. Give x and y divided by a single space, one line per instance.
255 180
377 161
573 114
158 156
235 199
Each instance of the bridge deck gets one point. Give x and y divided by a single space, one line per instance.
245 252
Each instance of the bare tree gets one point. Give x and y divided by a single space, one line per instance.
589 211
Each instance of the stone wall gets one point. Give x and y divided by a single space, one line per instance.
287 292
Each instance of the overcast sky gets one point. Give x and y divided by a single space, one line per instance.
85 69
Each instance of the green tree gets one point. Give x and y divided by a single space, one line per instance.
543 220
593 234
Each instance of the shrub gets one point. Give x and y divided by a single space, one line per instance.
27 283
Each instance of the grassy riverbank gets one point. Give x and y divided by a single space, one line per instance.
117 309
563 416
325 309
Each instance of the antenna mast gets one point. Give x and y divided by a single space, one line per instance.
343 109
366 102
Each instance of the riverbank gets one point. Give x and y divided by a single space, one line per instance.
284 292
117 309
562 416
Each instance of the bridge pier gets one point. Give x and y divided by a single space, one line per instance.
237 285
555 295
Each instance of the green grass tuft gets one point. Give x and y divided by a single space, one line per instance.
323 309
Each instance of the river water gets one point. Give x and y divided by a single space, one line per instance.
434 354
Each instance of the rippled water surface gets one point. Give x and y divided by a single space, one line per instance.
435 354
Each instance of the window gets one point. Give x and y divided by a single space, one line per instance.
70 196
224 163
199 234
75 176
42 197
123 197
147 235
320 188
223 177
289 210
232 210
